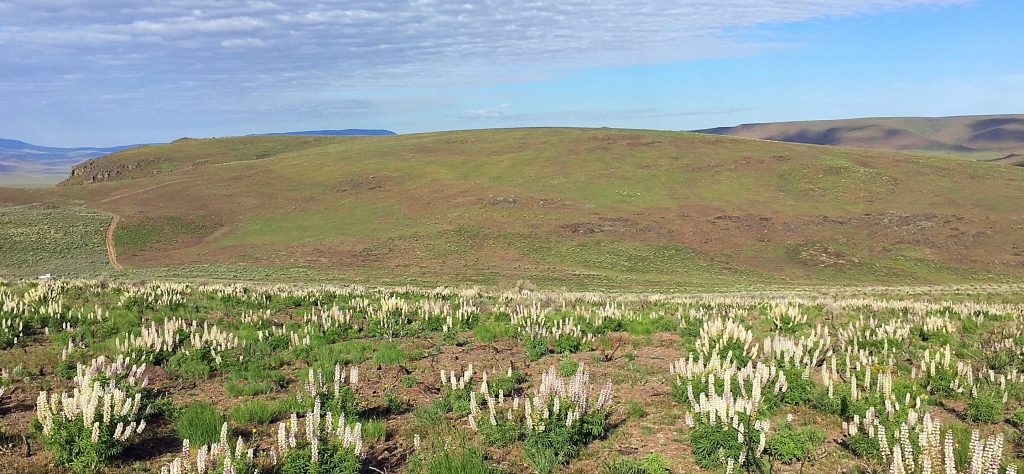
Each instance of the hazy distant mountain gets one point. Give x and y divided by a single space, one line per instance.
346 132
986 137
25 163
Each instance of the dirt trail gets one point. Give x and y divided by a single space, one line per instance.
137 191
111 251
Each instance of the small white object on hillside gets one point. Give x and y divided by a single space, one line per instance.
46 277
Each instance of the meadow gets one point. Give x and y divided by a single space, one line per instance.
176 377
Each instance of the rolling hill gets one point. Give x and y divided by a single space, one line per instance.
986 137
576 207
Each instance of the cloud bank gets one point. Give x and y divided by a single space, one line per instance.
216 54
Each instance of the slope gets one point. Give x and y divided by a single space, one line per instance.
579 207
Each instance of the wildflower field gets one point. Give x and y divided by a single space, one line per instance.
177 377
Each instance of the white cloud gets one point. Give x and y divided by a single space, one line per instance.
500 113
191 25
491 113
245 43
213 52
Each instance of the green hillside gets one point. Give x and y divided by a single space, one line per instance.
576 207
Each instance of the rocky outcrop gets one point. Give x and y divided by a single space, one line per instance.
95 171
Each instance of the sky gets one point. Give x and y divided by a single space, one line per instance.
111 72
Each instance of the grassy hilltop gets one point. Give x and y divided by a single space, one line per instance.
577 207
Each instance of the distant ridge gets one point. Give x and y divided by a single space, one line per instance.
334 133
25 163
8 146
983 137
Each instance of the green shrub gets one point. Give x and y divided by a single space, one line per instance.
568 344
547 450
863 446
987 407
430 418
374 431
163 407
332 459
824 404
199 423
568 367
408 381
255 382
394 404
708 440
791 444
465 459
535 347
1017 418
455 400
191 365
288 405
67 368
652 463
504 433
248 389
490 332
72 446
799 391
249 412
508 383
389 354
635 409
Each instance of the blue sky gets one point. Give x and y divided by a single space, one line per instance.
106 72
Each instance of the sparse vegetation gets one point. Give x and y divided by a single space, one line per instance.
757 381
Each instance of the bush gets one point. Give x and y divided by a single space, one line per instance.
199 423
547 450
536 347
455 400
430 418
375 430
1017 418
92 425
333 459
255 382
249 412
987 407
192 365
568 344
791 444
507 383
652 463
635 409
490 332
389 354
568 367
502 434
73 447
799 391
466 459
708 440
863 446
